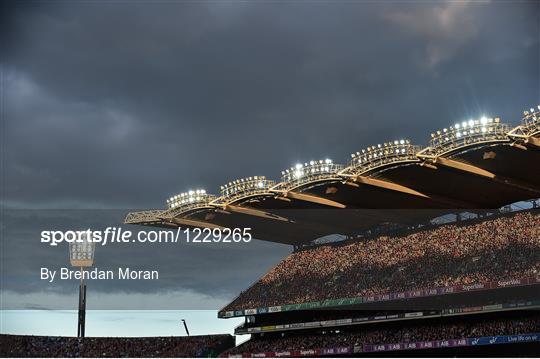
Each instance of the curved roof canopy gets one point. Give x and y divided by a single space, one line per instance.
474 165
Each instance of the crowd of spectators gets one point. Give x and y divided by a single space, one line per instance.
47 346
391 334
501 248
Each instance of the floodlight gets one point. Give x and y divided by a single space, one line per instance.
246 186
189 197
81 254
309 171
468 132
391 151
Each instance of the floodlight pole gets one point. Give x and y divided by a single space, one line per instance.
82 308
81 255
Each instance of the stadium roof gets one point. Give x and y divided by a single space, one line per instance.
479 164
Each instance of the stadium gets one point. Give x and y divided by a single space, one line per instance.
270 179
396 280
406 251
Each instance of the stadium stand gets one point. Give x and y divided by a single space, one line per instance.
295 320
498 249
48 346
462 332
398 280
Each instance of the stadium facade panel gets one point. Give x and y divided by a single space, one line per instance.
400 296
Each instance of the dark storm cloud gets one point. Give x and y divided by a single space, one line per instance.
120 105
191 276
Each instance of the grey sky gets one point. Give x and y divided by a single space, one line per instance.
117 105
120 105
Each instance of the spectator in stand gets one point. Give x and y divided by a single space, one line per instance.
409 333
39 346
496 249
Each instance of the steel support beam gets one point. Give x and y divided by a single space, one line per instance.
465 167
312 198
533 141
255 212
519 146
387 185
452 203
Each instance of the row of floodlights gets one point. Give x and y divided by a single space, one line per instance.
244 184
295 173
470 127
532 111
187 198
299 167
307 169
388 148
395 148
531 117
